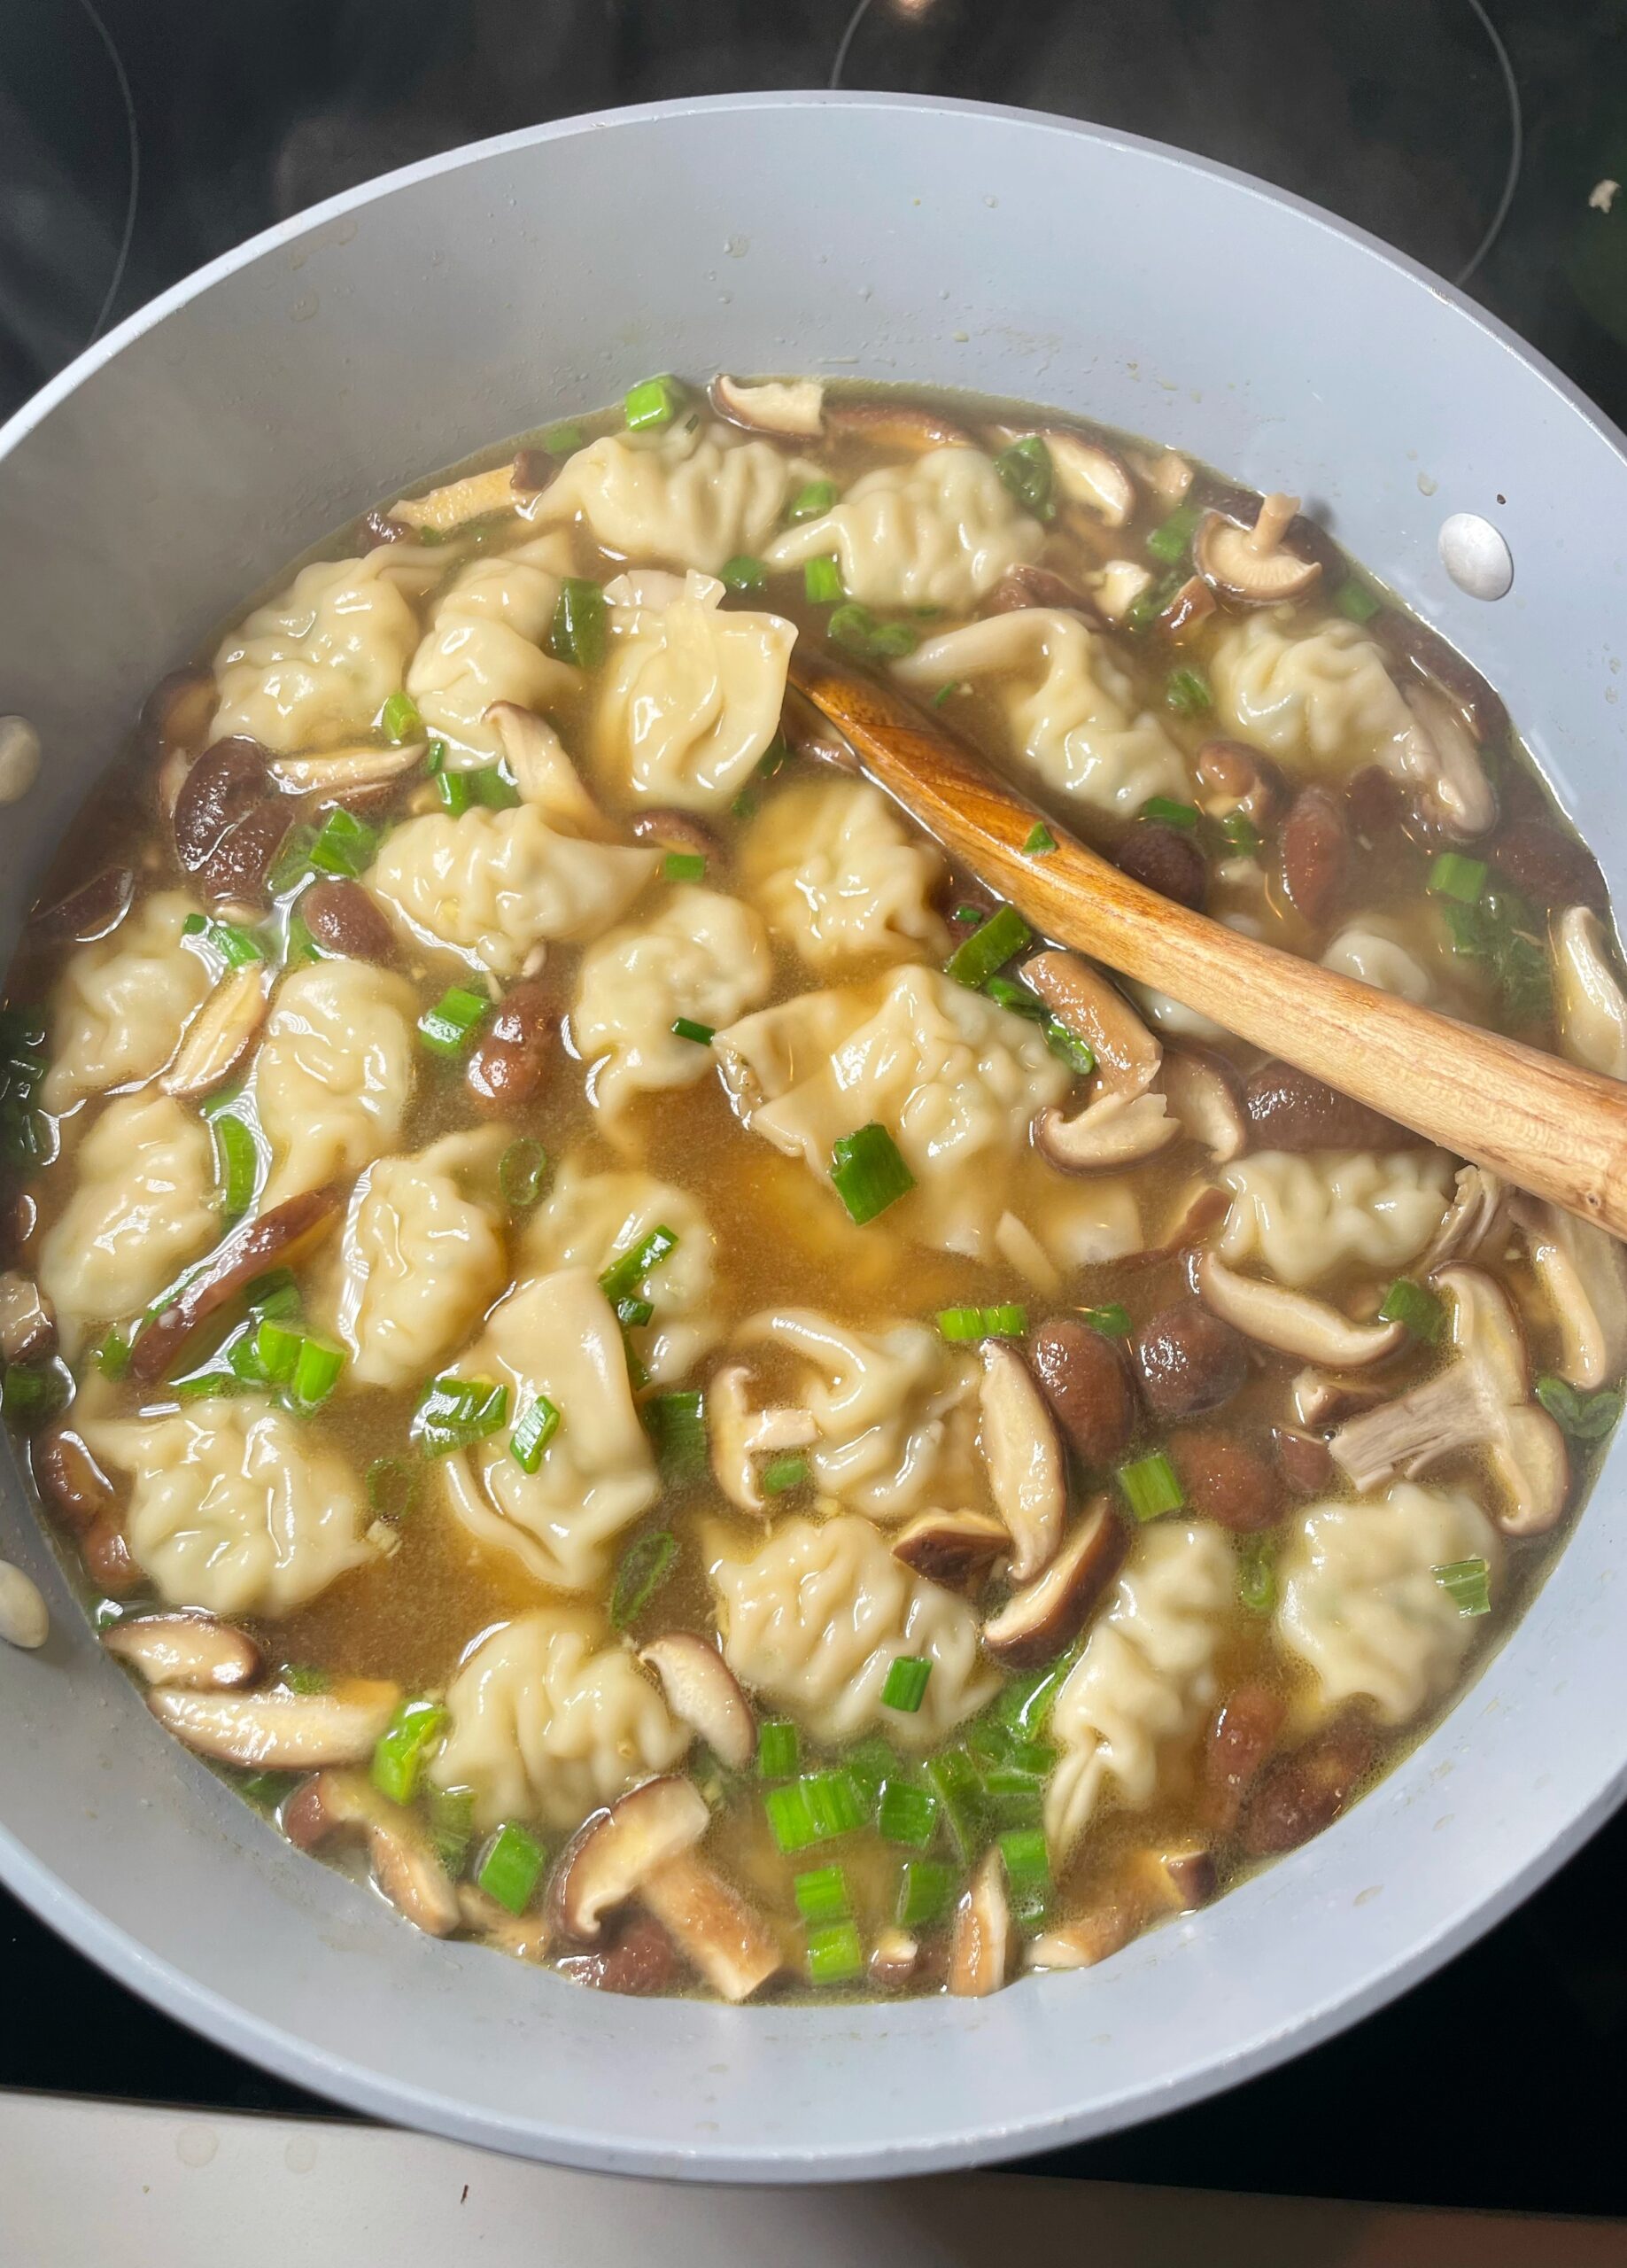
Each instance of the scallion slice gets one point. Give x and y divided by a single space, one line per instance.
1409 1303
1468 1584
1040 842
533 1435
1187 691
1006 1319
1240 834
1112 1320
812 501
1355 599
1027 1875
835 1954
1171 539
957 1323
906 1814
953 1778
405 1746
778 1749
683 866
872 1766
686 1028
1150 1487
451 1826
653 402
904 1687
821 1894
855 626
833 1803
235 945
400 718
1257 1575
986 951
677 1422
113 1356
236 1165
783 1474
492 786
868 1172
522 1172
628 1270
790 1820
947 693
1018 999
580 628
926 1892
32 1394
633 1314
1168 814
316 1372
645 1567
344 845
822 584
448 1027
1027 470
743 573
304 1677
1452 875
453 1412
1068 1048
511 1868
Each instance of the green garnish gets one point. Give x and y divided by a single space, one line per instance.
580 628
236 1165
822 583
1187 692
833 1803
560 440
393 1486
1171 539
784 1474
1452 875
344 845
678 1423
24 1135
1027 1875
1040 842
113 1356
778 1749
512 1867
317 1370
1409 1303
1167 813
33 1395
235 945
452 1413
855 626
1016 998
908 1815
868 1172
1027 470
448 1027
948 692
809 503
835 1955
1355 599
1150 1487
821 1894
628 1270
1112 1320
986 951
904 1688
400 718
1006 1320
1502 931
683 866
1468 1584
1584 1417
304 1677
653 402
404 1747
926 1892
451 1826
743 573
1067 1047
644 1567
522 1172
686 1028
790 1820
534 1431
1257 1577
1240 834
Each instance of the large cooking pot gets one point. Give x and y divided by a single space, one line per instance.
334 360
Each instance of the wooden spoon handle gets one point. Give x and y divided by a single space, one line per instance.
1541 1123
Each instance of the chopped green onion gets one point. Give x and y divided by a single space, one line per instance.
274 1293
235 945
1112 1320
956 1324
512 1867
986 951
400 718
904 1688
31 1395
277 1351
304 1677
1027 470
1150 1486
451 1826
872 1766
651 403
1187 693
778 1749
833 1803
1040 842
629 1268
265 1787
645 1567
783 1474
522 1172
677 1422
633 1315
1018 999
1007 1319
835 1955
743 805
492 786
809 503
113 1356
1452 875
821 1894
1171 539
454 1412
1240 834
954 1780
561 440
822 584
790 1820
1584 1417
948 692
448 1027
316 1372
855 626
1167 813
1025 1703
1027 1875
907 1816
454 791
774 757
393 1486
926 1892
1067 1047
298 945
434 756
1355 599
1409 1303
344 845
868 1172
1468 1584
743 573
404 1747
683 866
580 628
236 1165
686 1028
1256 1576
974 913
533 1433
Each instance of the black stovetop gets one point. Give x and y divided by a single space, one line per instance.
141 138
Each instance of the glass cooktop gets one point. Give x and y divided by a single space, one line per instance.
139 138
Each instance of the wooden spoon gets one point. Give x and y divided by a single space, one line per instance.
1541 1123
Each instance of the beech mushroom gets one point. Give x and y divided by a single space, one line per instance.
1086 1379
1290 1109
1189 1360
980 1945
1125 1121
523 1937
1294 1323
27 1320
1241 1739
794 407
1584 1272
191 1650
1042 1617
1205 1094
1176 1881
1303 1792
282 1238
280 1731
611 1858
1322 1401
346 771
1088 474
543 771
702 1692
221 1033
1478 1216
1027 586
739 1435
458 502
1481 1401
715 1929
1439 761
1225 1479
1026 1475
954 1549
1305 1460
1188 611
347 1805
893 1959
1252 564
343 918
1592 1009
640 1959
1234 777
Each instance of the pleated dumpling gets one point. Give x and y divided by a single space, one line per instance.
1366 950
120 1005
939 530
557 1336
1070 709
490 885
1362 1607
700 956
485 644
334 1073
836 873
1311 693
591 1219
691 495
1304 1218
420 1256
551 1718
1145 1681
692 691
954 1080
233 1508
316 666
814 1617
143 1205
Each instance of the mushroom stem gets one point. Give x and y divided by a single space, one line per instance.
1275 516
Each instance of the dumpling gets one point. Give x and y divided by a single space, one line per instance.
691 694
556 1335
939 530
316 666
591 1219
701 956
1069 707
334 1072
814 1617
1588 995
142 1206
1309 694
1366 951
492 884
420 1256
1146 1679
1302 1218
233 1507
1360 1603
121 1003
894 1408
836 873
485 645
954 1080
692 495
550 1719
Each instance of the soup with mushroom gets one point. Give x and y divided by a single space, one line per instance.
627 1353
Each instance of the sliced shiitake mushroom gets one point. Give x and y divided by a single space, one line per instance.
1439 760
1079 996
343 920
703 1693
611 1858
1188 611
1085 473
1027 586
981 1945
1042 1617
894 1959
1087 1940
677 831
284 1238
896 425
1027 1477
1206 1093
230 820
1479 1217
1087 1381
92 911
1293 1323
526 1937
1110 1132
717 1932
543 770
221 1033
793 407
196 1651
510 1056
27 1320
1252 564
1288 1109
954 1549
70 1479
1174 1882
341 772
1549 866
1318 1400
1189 1360
279 1731
333 1804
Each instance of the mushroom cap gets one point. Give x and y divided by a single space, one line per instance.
1293 1322
189 1649
793 407
405 1863
1042 1617
1439 760
1226 557
611 1858
703 1693
279 1731
1112 1131
1027 1476
1205 1094
1478 1216
1079 996
222 1032
281 1238
954 1549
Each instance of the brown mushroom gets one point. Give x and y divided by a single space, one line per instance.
953 1550
1206 1093
531 471
1026 586
1584 1272
723 1937
703 1693
92 911
895 1960
27 1320
739 1435
345 1805
1293 1323
1188 611
458 502
1252 564
510 1055
1085 473
1117 585
1425 652
1549 866
639 1958
526 1937
1092 1007
1479 1217
1304 1461
810 735
1110 1132
888 424
343 771
1241 1738
1318 1400
343 920
793 407
1086 1379
1589 1004
1288 1109
191 1650
70 1479
1480 1402
221 1033
680 831
1374 806
230 820
611 1858
1189 1360
1438 759
1227 1479
1303 1792
108 1559
176 713
1234 777
1027 1477
1045 1615
981 1944
1166 859
543 771
1174 1882
1315 855
279 1731
284 1238
1087 1940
